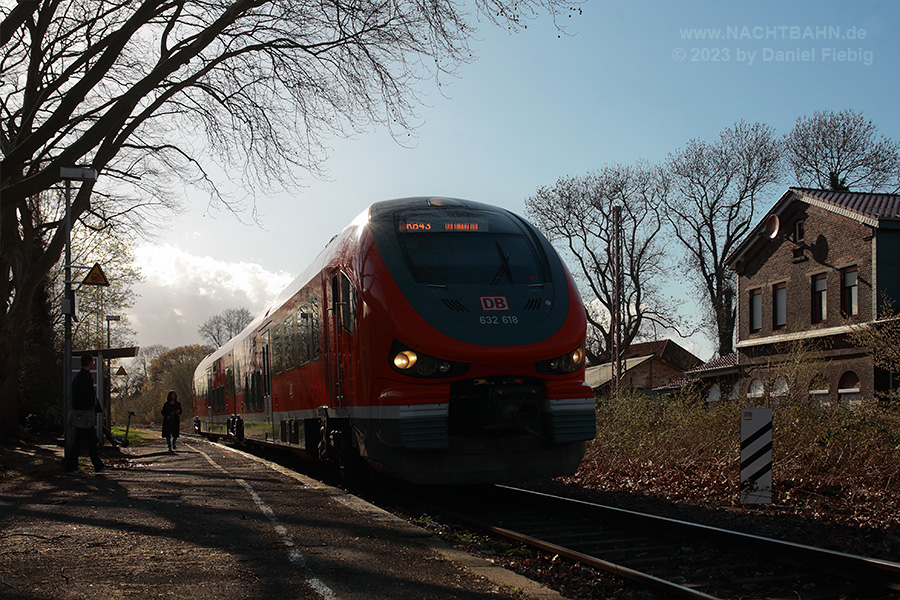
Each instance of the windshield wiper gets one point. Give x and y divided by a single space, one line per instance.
504 266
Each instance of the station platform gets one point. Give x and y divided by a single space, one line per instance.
208 521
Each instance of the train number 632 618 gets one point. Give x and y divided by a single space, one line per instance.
504 320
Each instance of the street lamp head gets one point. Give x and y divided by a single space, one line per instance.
113 318
77 174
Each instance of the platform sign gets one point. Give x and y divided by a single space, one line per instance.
756 456
96 276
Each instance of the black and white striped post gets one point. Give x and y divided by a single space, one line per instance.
756 456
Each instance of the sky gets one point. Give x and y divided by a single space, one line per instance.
626 81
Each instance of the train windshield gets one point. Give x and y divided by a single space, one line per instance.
467 248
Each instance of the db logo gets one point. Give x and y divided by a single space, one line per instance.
493 303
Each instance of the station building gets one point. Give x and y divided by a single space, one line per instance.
818 264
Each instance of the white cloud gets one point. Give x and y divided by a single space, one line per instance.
181 290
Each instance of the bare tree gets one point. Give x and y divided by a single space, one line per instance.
842 151
714 190
882 337
138 369
113 85
220 328
169 370
576 214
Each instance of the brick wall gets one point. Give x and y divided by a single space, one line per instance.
831 243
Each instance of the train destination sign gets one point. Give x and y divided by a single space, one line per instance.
442 225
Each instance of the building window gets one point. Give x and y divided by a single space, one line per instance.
779 305
849 293
849 391
757 389
755 310
819 298
819 393
799 234
781 387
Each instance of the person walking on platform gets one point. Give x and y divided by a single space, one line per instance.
83 418
171 419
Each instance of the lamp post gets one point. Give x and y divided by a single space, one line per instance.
109 319
68 307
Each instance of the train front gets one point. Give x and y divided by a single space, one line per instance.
478 337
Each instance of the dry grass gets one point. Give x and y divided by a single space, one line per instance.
829 460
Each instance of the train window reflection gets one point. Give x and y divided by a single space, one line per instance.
482 259
466 258
492 249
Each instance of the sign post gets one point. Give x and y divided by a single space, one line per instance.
756 456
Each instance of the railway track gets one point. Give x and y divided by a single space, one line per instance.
675 558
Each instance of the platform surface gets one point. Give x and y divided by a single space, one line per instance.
210 522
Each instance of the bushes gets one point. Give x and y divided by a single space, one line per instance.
840 456
678 448
685 450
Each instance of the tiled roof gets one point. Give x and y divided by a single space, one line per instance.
722 363
676 384
884 206
600 375
646 349
864 207
668 350
728 361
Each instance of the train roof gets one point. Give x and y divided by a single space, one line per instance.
381 209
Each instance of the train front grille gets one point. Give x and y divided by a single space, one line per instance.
492 408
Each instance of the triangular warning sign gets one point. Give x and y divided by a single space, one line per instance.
96 276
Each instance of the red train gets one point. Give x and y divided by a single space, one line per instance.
439 340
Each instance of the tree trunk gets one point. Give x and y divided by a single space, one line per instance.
11 346
727 319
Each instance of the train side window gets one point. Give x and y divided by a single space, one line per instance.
277 349
289 360
229 381
348 303
305 339
315 333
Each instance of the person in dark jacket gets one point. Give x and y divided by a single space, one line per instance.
171 419
84 398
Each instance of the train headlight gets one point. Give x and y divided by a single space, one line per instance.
577 356
405 359
567 363
415 364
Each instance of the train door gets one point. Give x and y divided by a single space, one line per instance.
267 382
208 394
335 364
341 321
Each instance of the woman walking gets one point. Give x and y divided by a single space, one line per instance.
171 419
